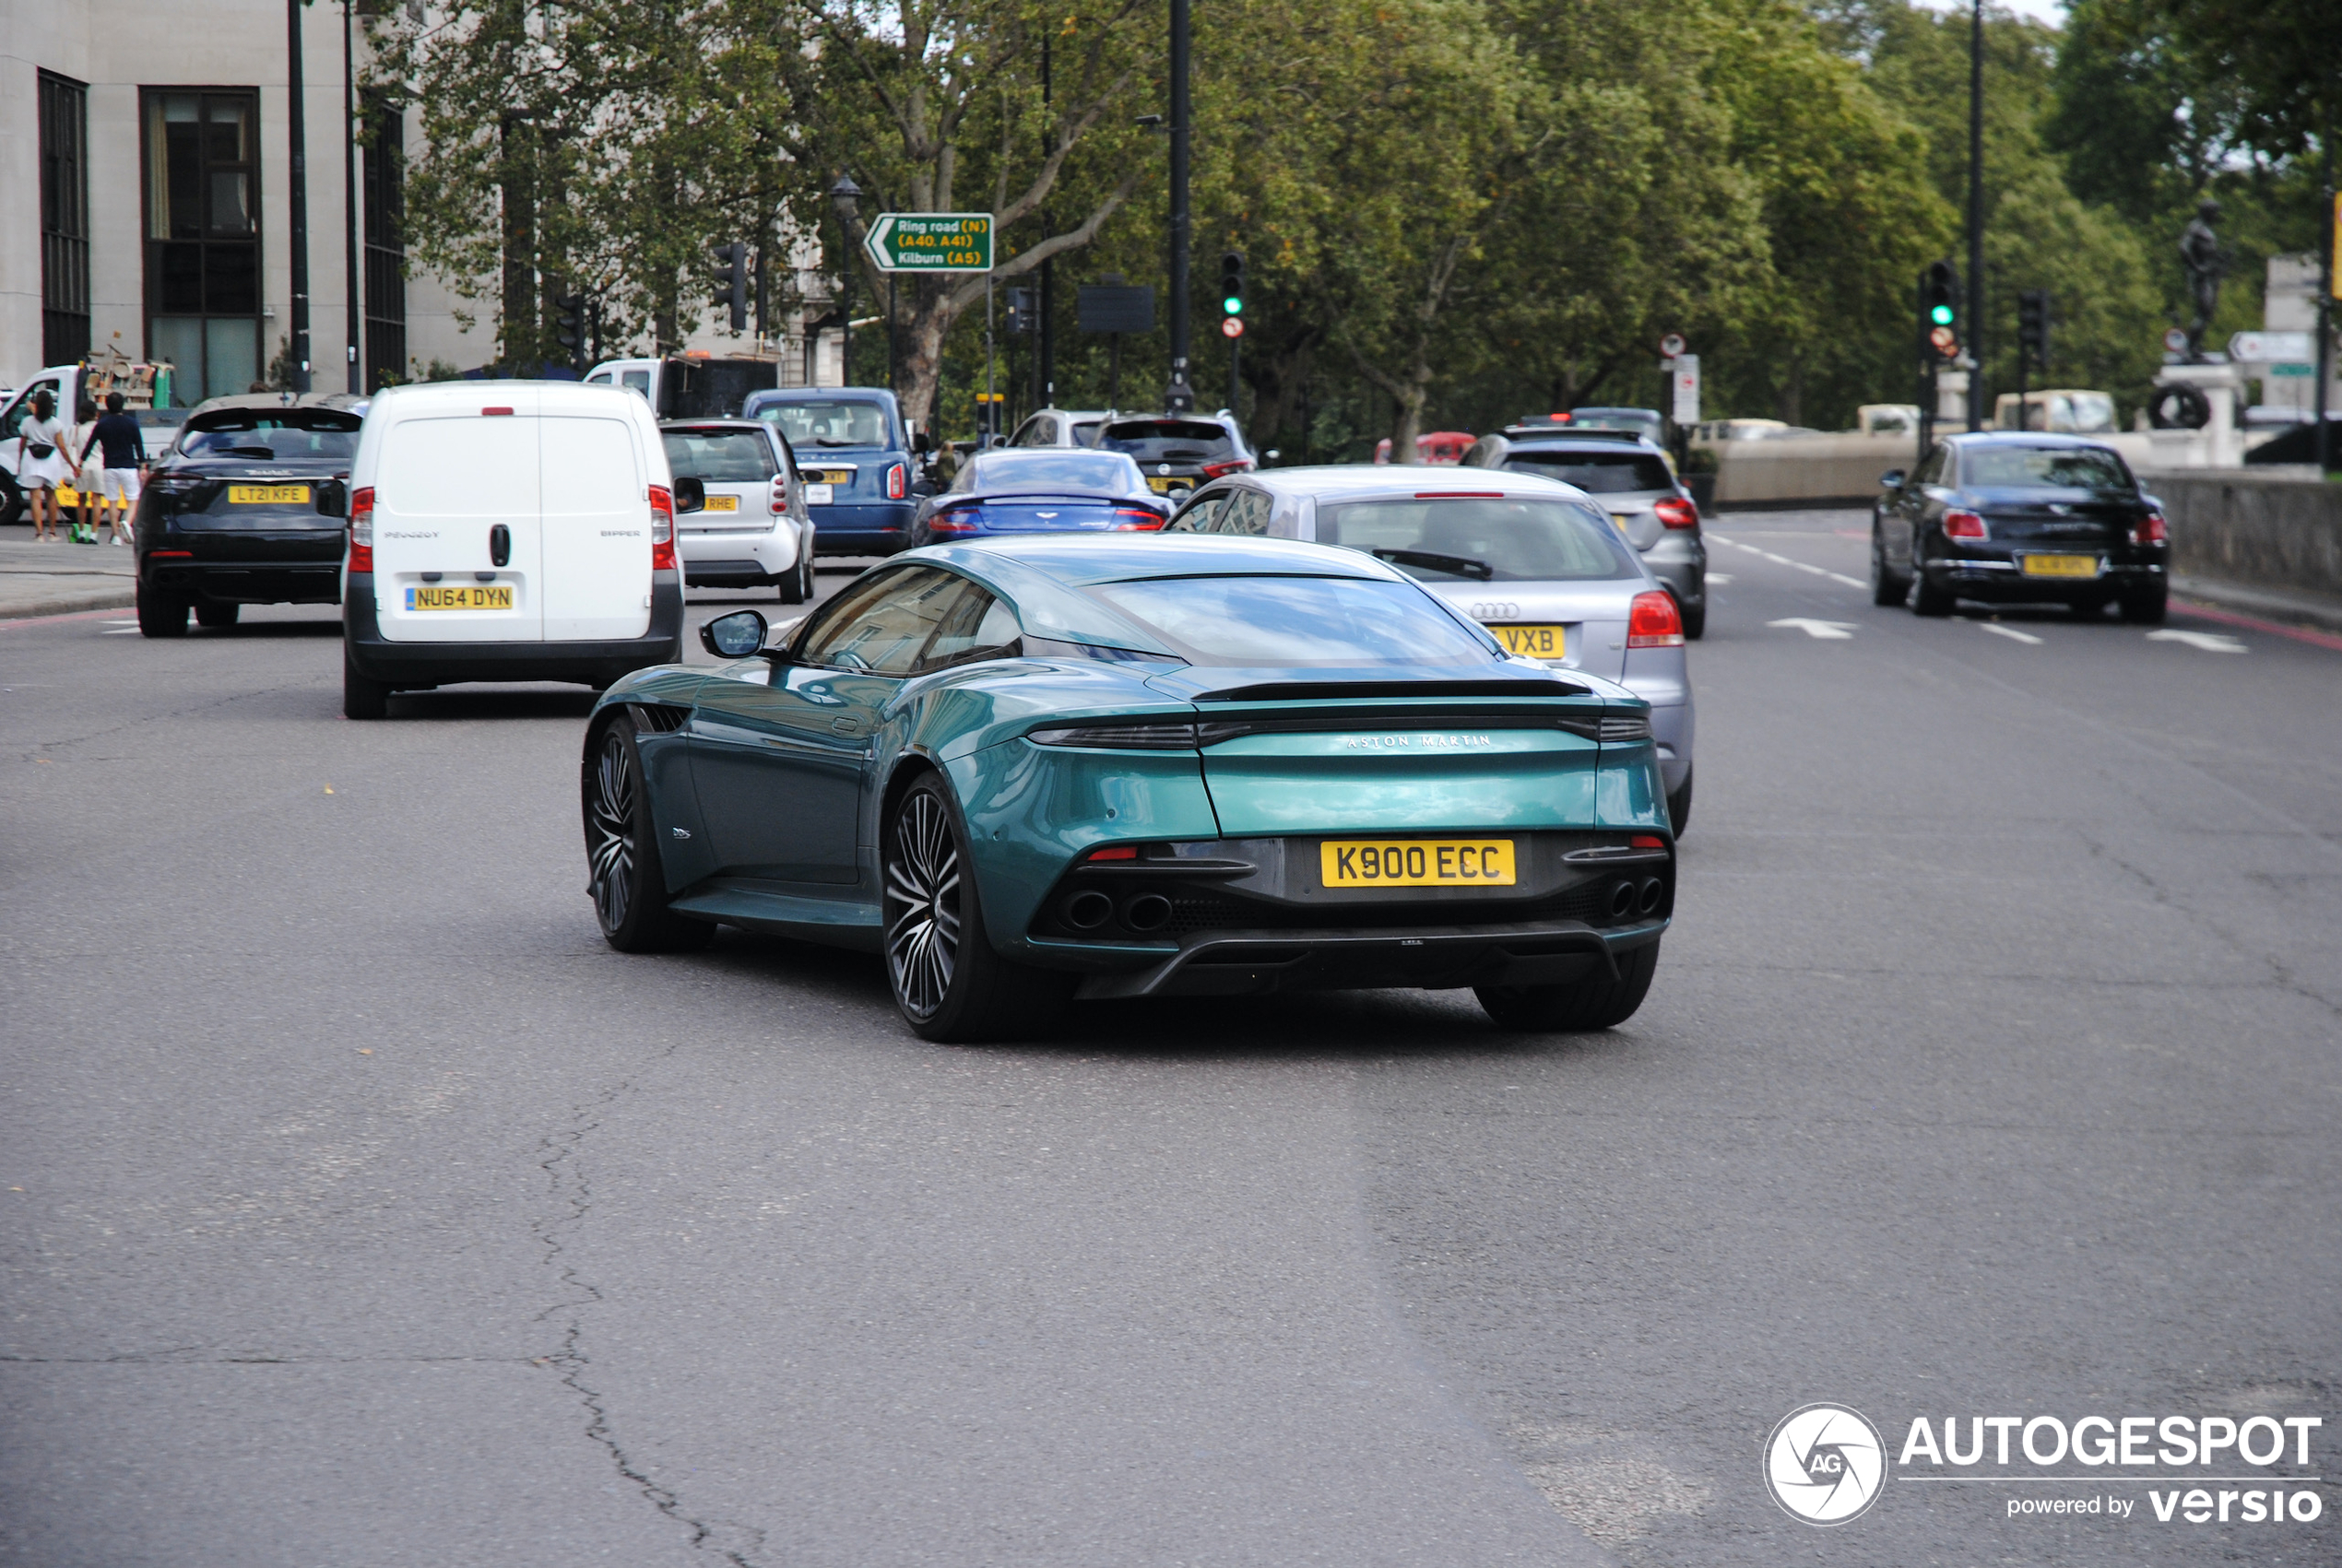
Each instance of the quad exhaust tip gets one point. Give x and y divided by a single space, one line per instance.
1654 894
1148 912
1088 910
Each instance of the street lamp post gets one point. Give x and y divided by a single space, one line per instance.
1180 396
1976 217
349 199
296 124
845 195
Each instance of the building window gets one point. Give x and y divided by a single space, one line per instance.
64 221
385 244
202 159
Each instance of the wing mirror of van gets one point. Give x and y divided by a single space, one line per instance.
333 499
690 494
733 636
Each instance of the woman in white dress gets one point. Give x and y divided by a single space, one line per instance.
86 481
42 464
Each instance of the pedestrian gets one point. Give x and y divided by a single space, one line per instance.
89 505
42 465
123 448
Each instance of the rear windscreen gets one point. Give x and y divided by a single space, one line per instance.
1103 472
1342 622
1168 441
828 422
1596 473
720 457
272 438
1500 539
2044 468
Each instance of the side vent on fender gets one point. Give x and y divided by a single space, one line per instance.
659 718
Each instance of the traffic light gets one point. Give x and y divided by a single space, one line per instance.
1023 315
2033 325
731 282
569 323
1231 283
1939 307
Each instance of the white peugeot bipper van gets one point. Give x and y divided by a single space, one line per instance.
506 530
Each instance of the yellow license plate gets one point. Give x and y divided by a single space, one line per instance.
2058 565
829 476
723 504
1165 484
1415 863
268 495
1619 518
1535 642
487 596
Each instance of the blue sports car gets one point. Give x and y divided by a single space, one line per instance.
1023 490
1032 768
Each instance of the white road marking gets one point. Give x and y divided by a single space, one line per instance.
1718 577
122 623
124 632
2010 632
2209 641
1722 540
1841 577
1823 630
1778 559
1814 570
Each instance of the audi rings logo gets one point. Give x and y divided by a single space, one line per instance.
1826 1463
1495 609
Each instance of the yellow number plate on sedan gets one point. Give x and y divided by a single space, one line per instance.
2059 565
723 504
1535 642
267 495
1415 863
1161 486
493 596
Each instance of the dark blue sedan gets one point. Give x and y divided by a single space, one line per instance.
1034 490
854 454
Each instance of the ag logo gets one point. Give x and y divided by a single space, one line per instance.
1826 1463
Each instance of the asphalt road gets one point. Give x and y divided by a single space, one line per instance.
361 1208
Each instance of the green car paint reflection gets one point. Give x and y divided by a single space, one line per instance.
1123 811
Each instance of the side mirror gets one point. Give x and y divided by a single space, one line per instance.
333 499
1273 454
1892 478
691 495
733 636
922 442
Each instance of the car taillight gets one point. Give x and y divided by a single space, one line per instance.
1963 525
1653 622
1136 519
2151 530
780 492
1676 512
954 520
1233 465
662 529
362 529
898 482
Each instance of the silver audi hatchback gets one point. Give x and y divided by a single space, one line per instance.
1540 563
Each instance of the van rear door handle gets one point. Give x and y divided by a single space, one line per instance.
500 545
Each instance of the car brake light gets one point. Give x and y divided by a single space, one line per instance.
1963 525
662 529
1652 621
1646 841
1460 495
954 520
897 482
1136 519
170 555
362 529
485 412
780 492
1233 465
2151 530
1675 511
1114 852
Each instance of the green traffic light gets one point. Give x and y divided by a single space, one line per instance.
1232 305
1941 315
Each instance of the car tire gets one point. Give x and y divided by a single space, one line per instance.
1887 589
1695 620
2146 609
948 982
161 614
1583 1005
1927 599
793 584
11 500
211 614
361 696
1679 806
622 870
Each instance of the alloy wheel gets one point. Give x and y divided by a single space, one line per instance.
611 855
922 904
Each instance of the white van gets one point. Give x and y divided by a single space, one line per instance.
506 530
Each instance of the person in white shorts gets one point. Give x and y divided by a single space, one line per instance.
125 448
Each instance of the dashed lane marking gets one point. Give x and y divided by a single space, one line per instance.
1821 631
2013 635
2209 641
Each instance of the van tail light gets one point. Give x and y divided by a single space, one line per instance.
2151 530
1963 525
662 529
898 482
1136 519
1233 465
1653 622
1676 512
362 529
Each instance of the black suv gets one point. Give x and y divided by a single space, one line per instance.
246 508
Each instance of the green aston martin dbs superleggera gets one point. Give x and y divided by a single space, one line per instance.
1031 769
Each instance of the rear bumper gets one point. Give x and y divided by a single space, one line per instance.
439 664
1235 963
863 528
247 582
757 559
2002 580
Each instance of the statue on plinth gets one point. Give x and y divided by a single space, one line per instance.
2206 262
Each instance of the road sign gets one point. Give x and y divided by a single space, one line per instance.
2266 348
1672 345
930 242
1233 326
1684 380
1944 339
2175 341
1116 307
